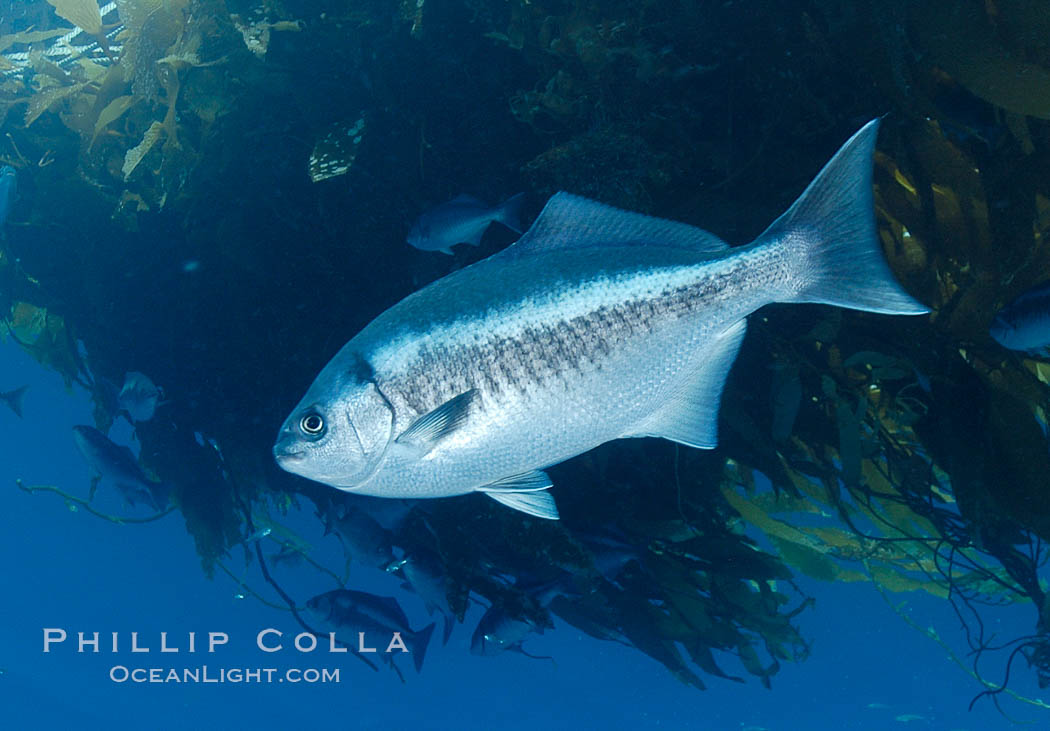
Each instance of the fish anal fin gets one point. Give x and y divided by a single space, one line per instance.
690 416
536 503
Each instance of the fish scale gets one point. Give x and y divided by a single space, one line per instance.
451 360
598 324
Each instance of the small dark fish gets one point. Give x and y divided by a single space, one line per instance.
463 220
13 399
611 550
364 538
499 630
8 187
139 396
426 576
1024 324
119 465
347 612
289 555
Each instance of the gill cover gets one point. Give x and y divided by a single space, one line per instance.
370 417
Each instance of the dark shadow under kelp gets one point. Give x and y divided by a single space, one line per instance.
169 223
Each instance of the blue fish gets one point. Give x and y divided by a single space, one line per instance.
364 538
1024 324
120 466
463 220
8 186
347 613
425 574
501 630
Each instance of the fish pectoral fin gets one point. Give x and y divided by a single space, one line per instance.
690 416
536 503
432 427
530 481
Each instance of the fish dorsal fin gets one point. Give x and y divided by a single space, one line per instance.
430 428
690 416
571 222
537 503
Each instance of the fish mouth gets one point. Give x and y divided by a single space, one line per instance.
287 453
283 457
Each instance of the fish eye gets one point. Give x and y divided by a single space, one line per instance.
311 424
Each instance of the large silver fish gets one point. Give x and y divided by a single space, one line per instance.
598 324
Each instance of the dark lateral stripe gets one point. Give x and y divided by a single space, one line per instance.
544 353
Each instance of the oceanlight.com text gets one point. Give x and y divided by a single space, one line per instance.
205 674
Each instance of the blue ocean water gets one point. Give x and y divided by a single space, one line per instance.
868 669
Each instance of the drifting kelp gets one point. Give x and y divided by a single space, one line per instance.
170 220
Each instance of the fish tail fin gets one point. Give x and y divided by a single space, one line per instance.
420 642
830 231
14 399
510 212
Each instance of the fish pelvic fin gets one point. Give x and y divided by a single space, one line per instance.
830 231
420 642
